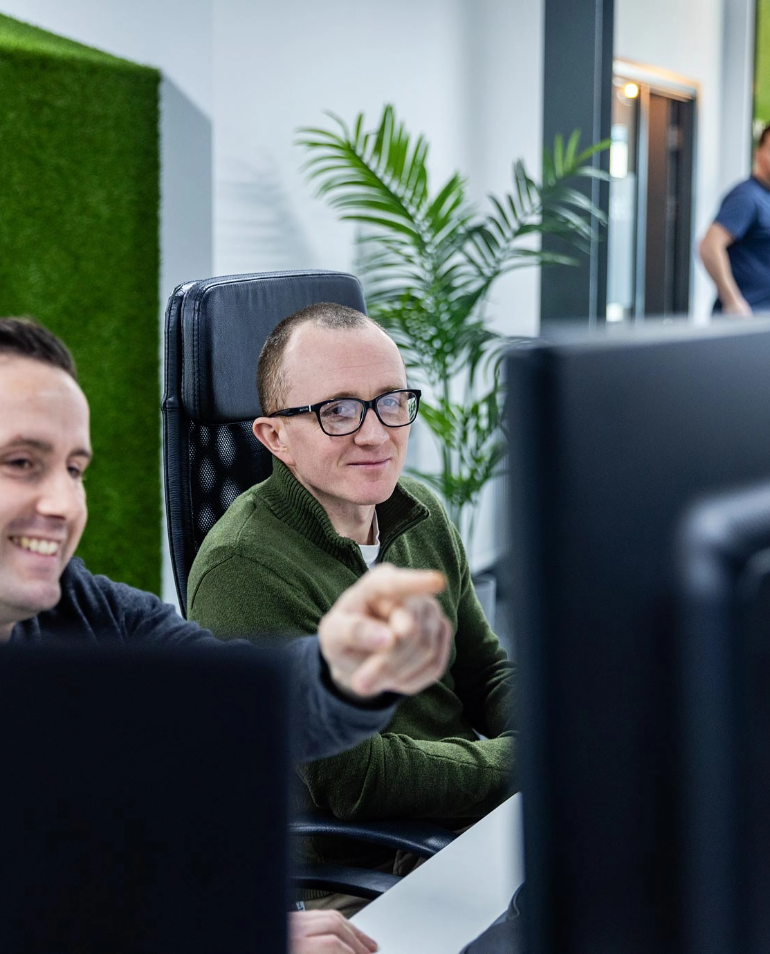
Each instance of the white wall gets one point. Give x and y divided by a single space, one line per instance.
454 69
504 92
279 67
737 90
710 43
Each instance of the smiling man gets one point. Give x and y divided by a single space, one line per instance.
338 411
43 432
387 633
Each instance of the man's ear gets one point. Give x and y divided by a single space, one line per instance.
270 432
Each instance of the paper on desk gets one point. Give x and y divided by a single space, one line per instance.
451 898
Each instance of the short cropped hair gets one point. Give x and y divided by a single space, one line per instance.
763 136
271 382
25 338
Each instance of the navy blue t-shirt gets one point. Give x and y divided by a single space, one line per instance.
745 213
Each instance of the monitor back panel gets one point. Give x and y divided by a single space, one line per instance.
610 438
143 804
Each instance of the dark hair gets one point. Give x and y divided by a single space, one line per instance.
25 338
270 379
763 136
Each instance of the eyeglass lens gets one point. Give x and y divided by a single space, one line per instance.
394 409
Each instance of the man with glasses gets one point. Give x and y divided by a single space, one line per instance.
337 415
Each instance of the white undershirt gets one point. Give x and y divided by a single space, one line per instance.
370 551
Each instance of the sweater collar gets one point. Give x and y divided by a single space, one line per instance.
299 509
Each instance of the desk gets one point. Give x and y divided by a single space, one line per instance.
455 895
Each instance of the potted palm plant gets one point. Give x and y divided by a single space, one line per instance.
428 260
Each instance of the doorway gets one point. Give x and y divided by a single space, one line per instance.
650 216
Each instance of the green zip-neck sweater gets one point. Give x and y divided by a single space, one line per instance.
275 564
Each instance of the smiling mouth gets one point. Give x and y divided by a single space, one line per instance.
37 545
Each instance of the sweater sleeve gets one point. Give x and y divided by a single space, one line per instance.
233 596
395 776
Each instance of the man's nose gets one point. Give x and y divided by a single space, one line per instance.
60 495
372 431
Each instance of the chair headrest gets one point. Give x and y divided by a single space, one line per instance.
226 321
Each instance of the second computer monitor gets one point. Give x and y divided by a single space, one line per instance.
612 436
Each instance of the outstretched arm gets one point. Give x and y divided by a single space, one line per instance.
385 635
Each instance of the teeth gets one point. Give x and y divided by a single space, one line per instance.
44 547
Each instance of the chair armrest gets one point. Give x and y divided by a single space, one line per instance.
344 879
421 838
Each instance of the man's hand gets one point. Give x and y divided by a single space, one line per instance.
387 633
326 932
713 253
737 306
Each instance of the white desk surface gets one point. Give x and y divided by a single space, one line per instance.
451 898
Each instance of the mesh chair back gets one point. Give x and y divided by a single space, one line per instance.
214 333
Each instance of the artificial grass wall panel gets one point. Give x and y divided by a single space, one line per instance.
762 62
79 194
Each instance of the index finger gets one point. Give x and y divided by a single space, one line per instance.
387 583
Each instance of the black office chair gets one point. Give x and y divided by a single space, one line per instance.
215 329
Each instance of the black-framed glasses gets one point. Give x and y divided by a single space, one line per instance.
342 416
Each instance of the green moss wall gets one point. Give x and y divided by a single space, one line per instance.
79 193
762 63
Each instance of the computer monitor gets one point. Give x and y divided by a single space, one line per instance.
611 436
143 801
724 574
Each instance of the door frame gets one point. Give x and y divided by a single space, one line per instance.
674 86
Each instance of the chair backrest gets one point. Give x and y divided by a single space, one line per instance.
215 329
